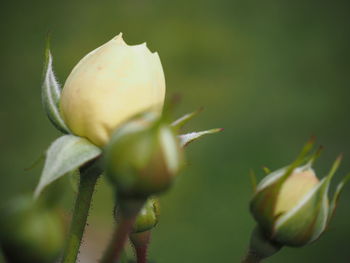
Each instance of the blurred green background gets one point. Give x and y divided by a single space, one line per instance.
272 73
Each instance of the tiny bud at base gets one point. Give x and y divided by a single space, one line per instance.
128 207
147 217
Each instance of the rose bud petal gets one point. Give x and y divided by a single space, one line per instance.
108 86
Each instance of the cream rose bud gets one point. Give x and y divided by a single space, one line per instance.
110 85
291 205
294 189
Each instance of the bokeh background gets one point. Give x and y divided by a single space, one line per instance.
272 73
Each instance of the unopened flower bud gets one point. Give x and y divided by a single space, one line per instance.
108 86
294 189
291 205
143 158
147 217
29 233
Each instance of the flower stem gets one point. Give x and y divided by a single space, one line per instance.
129 211
252 258
88 177
141 254
140 242
119 238
260 247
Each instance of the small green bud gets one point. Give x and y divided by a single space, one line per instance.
143 158
29 233
291 205
147 217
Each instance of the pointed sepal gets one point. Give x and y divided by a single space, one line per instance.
253 180
51 93
266 170
335 199
187 138
179 123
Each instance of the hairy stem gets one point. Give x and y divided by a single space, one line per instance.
88 177
128 214
118 241
140 242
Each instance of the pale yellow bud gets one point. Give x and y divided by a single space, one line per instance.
291 205
294 189
110 85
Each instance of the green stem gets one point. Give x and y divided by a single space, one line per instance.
252 258
129 209
120 236
88 177
140 241
260 247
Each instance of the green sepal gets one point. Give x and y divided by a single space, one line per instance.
179 123
266 170
262 205
308 219
51 93
253 180
335 199
65 154
187 138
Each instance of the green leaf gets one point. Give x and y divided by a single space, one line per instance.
185 139
179 123
51 93
64 155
